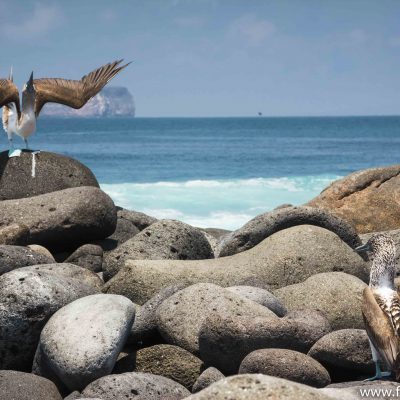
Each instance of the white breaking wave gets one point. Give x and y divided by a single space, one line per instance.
224 204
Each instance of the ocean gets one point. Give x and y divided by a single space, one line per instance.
219 172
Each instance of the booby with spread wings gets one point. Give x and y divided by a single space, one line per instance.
381 306
20 118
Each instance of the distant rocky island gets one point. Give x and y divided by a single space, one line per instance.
113 101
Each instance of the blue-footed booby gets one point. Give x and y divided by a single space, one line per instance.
381 306
20 119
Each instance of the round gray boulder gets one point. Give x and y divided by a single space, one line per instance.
260 296
53 172
15 385
28 297
162 240
287 257
81 342
225 341
89 256
131 385
287 364
345 354
180 316
13 257
265 225
258 387
206 378
63 219
336 294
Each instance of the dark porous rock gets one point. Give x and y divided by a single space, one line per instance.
258 387
180 316
260 296
287 257
81 342
132 385
165 239
139 219
89 256
129 224
172 362
225 341
13 257
265 225
15 385
345 354
325 292
28 297
206 378
287 364
14 234
52 172
144 328
367 199
63 219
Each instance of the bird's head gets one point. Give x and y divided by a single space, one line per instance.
29 87
379 243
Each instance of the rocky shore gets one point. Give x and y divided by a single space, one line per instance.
99 302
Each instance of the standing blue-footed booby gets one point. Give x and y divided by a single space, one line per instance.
20 119
381 306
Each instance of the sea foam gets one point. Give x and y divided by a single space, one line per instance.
224 204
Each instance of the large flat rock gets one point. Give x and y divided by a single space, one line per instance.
52 172
287 257
63 219
368 199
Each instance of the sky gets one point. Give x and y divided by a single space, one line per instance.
217 57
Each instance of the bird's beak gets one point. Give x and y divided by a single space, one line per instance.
363 248
29 84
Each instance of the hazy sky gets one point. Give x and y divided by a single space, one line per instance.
218 57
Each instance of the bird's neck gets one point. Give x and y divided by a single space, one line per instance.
383 272
28 104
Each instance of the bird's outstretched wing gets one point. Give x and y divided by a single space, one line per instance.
72 93
381 324
8 93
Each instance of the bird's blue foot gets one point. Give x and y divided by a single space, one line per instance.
14 153
378 374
